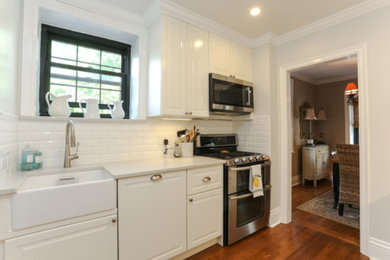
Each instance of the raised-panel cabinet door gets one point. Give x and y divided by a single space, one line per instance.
174 67
152 216
219 55
198 84
204 213
241 61
94 239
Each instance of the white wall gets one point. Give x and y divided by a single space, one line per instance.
10 19
371 29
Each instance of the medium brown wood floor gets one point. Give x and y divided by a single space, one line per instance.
307 236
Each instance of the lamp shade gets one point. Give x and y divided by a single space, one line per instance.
351 89
309 114
321 115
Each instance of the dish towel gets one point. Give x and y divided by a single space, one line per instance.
255 181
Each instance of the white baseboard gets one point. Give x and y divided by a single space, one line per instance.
378 249
295 180
274 217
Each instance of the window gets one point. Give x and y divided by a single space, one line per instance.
83 66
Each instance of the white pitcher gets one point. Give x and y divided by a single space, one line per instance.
59 106
117 112
92 109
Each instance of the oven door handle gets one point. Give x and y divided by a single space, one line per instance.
266 188
234 169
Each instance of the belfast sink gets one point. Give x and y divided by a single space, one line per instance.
62 195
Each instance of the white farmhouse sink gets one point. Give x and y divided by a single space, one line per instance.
61 195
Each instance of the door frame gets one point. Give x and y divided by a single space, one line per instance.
285 133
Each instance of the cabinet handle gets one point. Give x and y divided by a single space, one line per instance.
156 177
190 199
113 220
206 179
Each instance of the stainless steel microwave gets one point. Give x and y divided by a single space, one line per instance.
230 96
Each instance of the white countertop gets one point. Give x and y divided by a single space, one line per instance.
9 183
145 167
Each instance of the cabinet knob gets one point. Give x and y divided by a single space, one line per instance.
206 179
156 177
190 199
186 113
113 220
190 113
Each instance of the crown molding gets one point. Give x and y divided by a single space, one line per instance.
268 38
329 80
334 19
106 10
168 8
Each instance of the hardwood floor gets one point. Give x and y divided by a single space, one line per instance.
307 236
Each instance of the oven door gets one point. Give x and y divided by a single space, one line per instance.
238 177
246 214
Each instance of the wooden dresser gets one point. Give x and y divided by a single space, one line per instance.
315 163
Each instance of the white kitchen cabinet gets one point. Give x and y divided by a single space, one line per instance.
219 55
152 216
178 69
95 239
229 58
204 217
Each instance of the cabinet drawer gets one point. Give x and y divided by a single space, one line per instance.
203 179
322 149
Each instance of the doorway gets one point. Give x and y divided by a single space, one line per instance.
285 134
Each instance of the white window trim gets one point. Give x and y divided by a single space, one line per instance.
125 28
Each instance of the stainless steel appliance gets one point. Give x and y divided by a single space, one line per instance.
243 214
229 95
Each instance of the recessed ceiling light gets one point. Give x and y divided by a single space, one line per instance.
255 11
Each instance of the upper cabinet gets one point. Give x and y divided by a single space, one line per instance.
178 69
229 58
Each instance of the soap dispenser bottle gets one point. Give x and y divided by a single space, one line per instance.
27 158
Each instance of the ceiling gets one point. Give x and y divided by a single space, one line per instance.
277 16
328 72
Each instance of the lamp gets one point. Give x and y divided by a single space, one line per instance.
310 115
351 91
321 115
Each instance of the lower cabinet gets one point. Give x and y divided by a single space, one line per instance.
152 216
95 239
204 217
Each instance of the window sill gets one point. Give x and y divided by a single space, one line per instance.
80 119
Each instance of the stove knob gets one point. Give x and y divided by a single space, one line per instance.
251 158
263 156
236 160
243 159
257 157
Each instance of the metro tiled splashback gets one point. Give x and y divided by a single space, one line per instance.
8 143
110 141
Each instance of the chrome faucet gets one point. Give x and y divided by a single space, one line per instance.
71 147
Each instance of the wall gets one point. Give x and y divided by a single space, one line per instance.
370 29
303 92
10 19
331 98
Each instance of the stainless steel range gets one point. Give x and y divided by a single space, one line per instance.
244 214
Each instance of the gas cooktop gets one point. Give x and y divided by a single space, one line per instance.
225 147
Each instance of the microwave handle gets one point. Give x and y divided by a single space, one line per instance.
248 90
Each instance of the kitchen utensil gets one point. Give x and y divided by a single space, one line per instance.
117 112
92 108
59 106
